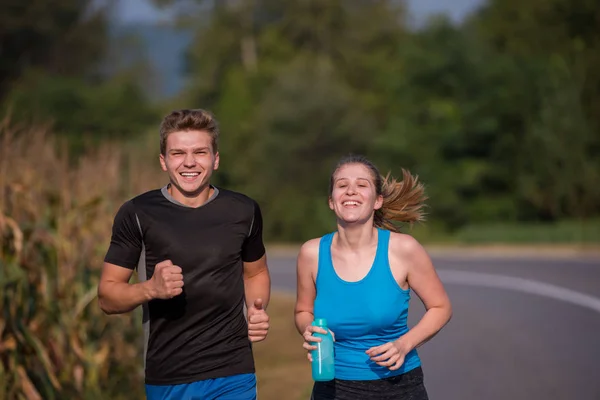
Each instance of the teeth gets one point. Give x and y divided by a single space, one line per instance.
350 203
189 174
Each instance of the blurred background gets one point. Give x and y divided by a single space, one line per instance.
495 105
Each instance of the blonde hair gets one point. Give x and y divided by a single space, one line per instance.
189 120
403 201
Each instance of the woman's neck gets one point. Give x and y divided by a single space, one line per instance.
355 237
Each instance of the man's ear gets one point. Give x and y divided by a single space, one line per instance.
163 163
216 162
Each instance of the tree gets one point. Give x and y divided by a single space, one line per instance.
294 92
65 37
559 148
52 71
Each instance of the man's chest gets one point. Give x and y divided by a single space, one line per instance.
196 242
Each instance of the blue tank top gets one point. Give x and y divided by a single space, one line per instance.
362 314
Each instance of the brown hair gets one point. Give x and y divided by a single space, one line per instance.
189 120
402 201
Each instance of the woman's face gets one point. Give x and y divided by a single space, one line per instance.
354 197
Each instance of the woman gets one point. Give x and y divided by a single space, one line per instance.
359 279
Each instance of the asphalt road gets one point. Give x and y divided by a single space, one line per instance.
524 328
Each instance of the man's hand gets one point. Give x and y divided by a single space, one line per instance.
167 280
258 322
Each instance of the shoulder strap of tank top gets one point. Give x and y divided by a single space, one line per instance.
325 266
383 244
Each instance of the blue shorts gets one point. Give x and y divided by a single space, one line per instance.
235 387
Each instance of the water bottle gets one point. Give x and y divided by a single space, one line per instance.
323 363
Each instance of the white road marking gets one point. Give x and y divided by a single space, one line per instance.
520 285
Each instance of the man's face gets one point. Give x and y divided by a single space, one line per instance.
189 160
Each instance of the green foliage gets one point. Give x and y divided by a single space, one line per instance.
62 37
286 80
498 124
581 232
53 71
557 152
84 113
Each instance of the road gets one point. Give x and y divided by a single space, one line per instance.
524 328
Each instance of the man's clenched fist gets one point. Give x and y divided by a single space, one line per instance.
167 280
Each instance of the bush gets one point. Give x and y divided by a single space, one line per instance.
55 220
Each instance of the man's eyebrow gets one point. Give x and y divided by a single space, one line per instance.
194 149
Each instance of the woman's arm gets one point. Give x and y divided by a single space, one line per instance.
423 279
306 268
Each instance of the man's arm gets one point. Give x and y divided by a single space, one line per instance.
257 286
117 296
257 282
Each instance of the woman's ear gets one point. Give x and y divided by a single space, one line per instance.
378 203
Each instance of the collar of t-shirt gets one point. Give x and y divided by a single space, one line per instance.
165 192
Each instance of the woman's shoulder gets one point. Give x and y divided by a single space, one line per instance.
405 244
308 256
310 248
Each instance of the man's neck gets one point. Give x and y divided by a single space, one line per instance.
195 200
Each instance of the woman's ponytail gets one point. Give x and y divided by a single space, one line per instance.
402 202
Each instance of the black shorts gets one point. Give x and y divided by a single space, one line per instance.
407 386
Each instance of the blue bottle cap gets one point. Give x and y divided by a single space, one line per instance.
321 322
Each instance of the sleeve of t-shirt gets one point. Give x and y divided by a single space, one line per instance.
126 240
253 248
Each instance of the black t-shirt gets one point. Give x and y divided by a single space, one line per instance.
202 333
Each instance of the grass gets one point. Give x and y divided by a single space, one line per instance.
584 232
282 369
572 233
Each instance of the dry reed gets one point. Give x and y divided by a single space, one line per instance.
55 219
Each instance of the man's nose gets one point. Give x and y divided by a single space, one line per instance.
189 160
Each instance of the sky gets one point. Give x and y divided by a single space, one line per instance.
143 11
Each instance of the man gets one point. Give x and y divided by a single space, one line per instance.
199 254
